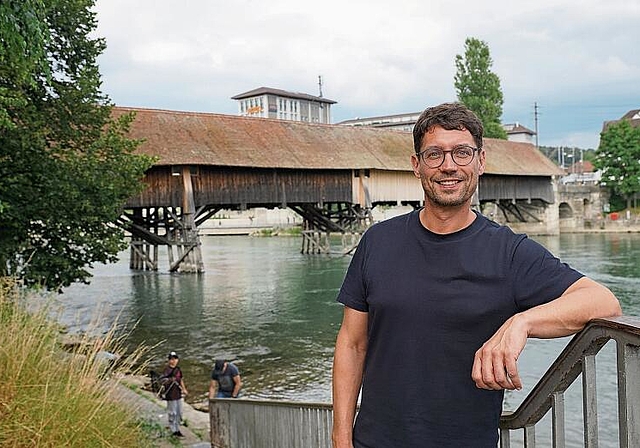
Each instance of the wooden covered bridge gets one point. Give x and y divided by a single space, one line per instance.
330 175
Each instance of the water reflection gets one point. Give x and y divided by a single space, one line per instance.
261 303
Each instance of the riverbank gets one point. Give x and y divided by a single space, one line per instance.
134 392
608 227
52 397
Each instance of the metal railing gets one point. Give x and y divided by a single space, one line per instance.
269 424
278 424
578 359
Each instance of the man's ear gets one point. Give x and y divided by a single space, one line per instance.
415 164
482 155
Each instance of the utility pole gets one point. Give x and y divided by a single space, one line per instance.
535 120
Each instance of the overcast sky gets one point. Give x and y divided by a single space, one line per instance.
579 60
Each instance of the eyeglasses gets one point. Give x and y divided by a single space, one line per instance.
434 157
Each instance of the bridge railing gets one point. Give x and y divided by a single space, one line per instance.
579 359
277 424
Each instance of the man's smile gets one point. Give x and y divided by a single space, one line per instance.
448 182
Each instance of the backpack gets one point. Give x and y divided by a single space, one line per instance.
158 385
226 383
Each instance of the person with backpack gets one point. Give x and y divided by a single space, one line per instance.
173 391
225 380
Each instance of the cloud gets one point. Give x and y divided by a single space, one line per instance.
376 57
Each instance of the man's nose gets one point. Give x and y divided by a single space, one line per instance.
448 164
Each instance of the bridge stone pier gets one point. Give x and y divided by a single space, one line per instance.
580 206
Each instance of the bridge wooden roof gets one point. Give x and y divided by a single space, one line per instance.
192 138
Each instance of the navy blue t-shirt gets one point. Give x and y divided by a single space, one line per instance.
433 300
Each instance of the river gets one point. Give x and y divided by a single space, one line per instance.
272 310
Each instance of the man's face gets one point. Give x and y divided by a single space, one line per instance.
448 185
173 362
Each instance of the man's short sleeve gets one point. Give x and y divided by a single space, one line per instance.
539 277
353 291
233 370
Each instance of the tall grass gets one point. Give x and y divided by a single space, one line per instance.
52 398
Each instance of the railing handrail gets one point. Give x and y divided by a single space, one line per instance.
278 403
568 366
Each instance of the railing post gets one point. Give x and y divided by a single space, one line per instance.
629 394
590 401
579 359
557 419
219 428
505 438
530 436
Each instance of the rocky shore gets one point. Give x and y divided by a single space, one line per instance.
135 393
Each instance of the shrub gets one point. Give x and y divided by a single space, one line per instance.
50 397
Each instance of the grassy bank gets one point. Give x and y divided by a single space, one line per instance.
50 397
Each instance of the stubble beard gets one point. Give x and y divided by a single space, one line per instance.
445 200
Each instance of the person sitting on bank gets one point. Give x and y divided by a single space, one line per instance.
225 380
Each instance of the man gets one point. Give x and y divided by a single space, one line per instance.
439 304
174 388
225 380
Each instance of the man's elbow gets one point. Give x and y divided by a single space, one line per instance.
608 304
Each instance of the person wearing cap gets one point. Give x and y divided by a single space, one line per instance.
225 380
175 388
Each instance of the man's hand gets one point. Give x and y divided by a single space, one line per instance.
495 365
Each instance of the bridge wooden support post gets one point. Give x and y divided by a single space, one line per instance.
143 256
171 226
319 222
314 241
186 238
317 242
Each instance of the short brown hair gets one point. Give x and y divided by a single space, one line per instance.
450 116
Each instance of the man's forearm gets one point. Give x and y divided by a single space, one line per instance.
347 379
583 301
212 390
495 363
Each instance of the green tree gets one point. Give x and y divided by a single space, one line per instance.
66 168
618 156
478 87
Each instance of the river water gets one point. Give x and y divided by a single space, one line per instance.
272 310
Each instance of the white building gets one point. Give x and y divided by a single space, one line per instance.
402 122
405 122
518 133
266 102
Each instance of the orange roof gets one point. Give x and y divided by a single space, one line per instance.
191 138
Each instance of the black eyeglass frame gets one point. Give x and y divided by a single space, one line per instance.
420 155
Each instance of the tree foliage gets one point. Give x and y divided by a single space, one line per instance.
66 168
618 156
478 87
